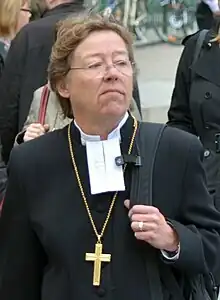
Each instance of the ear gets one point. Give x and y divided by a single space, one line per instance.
63 90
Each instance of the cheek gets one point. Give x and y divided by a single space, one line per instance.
129 87
82 91
88 88
23 20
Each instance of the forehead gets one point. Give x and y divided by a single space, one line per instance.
98 43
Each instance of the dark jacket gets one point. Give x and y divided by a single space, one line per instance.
195 105
45 231
26 70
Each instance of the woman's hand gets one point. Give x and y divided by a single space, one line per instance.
35 130
150 225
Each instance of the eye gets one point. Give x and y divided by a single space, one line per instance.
95 65
122 63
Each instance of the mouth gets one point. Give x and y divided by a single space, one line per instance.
113 91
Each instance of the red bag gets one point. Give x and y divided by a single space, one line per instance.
43 104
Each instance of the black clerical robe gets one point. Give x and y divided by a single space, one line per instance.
45 230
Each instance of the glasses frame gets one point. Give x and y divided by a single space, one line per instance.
133 66
26 10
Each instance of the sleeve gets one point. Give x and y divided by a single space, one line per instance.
10 85
179 114
198 225
171 256
31 118
22 258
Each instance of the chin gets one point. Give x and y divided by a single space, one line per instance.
116 111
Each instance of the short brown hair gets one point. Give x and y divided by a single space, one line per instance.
9 16
71 32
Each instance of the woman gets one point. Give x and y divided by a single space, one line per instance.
14 14
195 103
67 196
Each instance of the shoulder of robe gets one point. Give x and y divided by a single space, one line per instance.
179 139
194 35
192 38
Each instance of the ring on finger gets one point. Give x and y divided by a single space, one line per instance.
141 225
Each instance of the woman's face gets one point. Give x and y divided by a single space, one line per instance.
101 79
24 16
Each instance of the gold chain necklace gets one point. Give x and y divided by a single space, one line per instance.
98 257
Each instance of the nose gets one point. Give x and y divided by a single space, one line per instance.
111 73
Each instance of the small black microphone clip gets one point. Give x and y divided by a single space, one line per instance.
128 159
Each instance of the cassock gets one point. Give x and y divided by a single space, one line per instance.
47 241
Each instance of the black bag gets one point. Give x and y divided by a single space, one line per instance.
200 288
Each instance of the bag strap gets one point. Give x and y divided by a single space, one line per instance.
198 49
43 104
147 143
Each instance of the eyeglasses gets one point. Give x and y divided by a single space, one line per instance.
26 10
99 70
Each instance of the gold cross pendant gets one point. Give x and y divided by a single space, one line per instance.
98 257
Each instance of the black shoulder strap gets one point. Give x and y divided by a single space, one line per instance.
147 142
198 49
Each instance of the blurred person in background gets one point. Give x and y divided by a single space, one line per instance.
206 11
195 103
14 14
26 68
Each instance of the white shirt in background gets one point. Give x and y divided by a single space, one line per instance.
213 5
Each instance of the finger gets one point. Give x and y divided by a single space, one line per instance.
127 203
33 130
46 127
154 218
26 139
148 236
36 125
146 227
30 136
144 209
33 134
38 130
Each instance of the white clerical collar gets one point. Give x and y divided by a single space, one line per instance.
104 174
95 138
